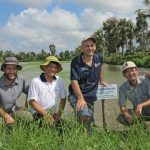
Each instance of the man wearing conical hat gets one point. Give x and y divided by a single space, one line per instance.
45 92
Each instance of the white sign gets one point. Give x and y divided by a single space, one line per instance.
107 92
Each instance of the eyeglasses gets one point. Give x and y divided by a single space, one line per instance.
129 70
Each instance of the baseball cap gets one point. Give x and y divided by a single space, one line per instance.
11 61
89 38
128 64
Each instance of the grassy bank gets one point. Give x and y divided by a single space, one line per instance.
72 137
141 59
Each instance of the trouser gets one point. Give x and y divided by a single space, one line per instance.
145 116
85 111
19 115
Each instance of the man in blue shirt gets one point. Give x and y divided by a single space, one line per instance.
137 90
86 74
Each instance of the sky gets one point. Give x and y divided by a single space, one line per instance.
32 25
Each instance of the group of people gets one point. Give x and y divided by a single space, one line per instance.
47 95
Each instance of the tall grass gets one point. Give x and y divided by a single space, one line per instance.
72 136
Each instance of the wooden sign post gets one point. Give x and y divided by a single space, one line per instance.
103 93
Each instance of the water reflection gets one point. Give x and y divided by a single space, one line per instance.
112 67
119 68
113 73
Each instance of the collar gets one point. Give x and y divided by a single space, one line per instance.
81 60
43 78
138 82
4 81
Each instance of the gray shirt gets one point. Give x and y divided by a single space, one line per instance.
9 94
135 95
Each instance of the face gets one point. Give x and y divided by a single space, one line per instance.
10 72
88 47
131 74
51 69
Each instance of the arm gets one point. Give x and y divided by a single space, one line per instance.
146 103
33 96
25 86
102 82
75 77
126 114
41 111
80 102
37 107
6 116
147 75
122 104
139 107
60 110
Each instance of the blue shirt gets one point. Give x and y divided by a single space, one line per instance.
135 95
87 76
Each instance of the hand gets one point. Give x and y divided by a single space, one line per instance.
8 119
129 119
81 103
138 110
57 117
147 75
49 119
104 83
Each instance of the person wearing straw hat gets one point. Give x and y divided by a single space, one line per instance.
11 87
137 90
86 74
45 92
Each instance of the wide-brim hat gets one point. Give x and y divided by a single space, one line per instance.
88 38
51 59
11 61
128 64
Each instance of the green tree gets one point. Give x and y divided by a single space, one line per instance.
123 34
1 55
21 56
100 41
52 49
61 56
67 55
8 53
141 31
111 35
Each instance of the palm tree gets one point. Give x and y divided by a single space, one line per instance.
142 31
147 2
130 33
100 41
110 35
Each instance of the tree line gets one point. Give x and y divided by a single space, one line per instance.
116 40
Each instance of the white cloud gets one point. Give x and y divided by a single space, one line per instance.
116 6
92 20
34 3
35 29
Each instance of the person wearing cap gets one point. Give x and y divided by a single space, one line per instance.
45 92
137 90
11 87
86 74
